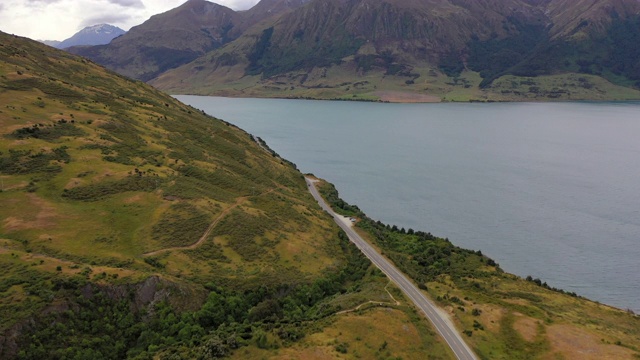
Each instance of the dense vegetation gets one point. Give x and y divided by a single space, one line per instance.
498 56
269 57
624 55
531 53
421 255
264 316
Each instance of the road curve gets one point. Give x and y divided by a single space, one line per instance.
437 317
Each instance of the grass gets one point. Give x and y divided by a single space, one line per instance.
92 174
182 224
372 332
98 170
348 81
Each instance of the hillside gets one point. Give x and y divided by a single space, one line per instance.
449 50
166 40
178 36
125 211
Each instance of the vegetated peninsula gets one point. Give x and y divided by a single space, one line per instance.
134 226
390 50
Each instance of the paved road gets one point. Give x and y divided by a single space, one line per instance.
437 316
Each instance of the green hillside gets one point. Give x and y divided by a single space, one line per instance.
133 226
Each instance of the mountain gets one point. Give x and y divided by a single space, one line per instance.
361 48
178 36
133 226
52 43
266 9
92 35
166 40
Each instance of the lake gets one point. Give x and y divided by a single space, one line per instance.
550 190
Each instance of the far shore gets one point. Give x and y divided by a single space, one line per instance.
399 97
406 97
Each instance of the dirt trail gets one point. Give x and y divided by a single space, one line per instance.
204 236
379 303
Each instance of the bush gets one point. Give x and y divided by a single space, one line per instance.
342 348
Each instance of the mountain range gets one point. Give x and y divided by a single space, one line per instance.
91 35
364 48
179 36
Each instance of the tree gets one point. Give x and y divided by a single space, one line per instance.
213 348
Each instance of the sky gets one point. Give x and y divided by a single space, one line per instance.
60 19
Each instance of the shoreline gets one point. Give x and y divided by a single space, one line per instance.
580 285
413 98
346 219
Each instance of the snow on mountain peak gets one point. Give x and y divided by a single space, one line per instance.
92 35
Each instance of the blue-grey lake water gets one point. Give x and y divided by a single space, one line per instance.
550 190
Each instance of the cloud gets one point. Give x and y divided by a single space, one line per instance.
113 19
238 4
40 2
136 4
60 19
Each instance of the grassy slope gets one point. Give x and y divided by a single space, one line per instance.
348 82
504 316
107 181
138 165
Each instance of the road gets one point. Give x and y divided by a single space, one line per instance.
437 316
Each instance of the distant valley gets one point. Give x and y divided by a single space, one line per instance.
388 50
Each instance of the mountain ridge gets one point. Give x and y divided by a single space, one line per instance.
99 34
176 37
426 41
278 40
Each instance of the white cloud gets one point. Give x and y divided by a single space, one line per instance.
40 2
112 19
60 19
128 3
239 4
